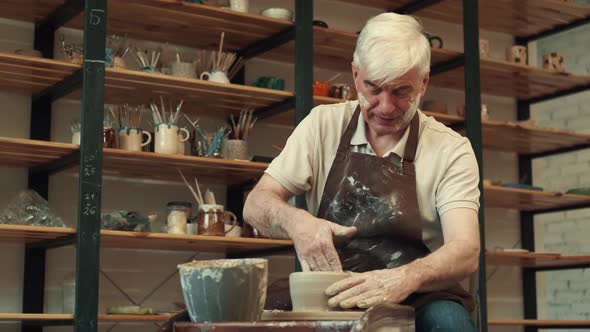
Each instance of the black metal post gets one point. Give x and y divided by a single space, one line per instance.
473 126
527 229
303 72
90 181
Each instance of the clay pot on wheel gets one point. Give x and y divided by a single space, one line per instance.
308 289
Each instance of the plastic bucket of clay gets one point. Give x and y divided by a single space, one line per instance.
224 290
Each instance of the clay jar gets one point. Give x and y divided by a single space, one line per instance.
224 290
308 289
212 220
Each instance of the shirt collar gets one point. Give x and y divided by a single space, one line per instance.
360 138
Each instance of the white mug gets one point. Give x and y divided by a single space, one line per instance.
183 69
215 76
233 231
181 150
239 5
76 138
131 139
167 138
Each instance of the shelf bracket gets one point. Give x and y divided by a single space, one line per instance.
58 165
414 6
562 208
268 44
555 30
53 243
561 268
580 88
275 109
447 65
44 30
558 151
61 88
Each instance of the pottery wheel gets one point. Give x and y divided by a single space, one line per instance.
311 315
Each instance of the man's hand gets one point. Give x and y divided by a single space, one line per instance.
313 239
367 289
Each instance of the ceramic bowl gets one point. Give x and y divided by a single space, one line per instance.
211 289
308 289
278 13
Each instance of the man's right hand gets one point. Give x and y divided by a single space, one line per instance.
313 239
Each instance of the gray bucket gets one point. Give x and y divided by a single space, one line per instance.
224 290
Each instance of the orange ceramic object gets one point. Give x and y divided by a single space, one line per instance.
321 88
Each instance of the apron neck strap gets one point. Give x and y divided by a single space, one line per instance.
411 145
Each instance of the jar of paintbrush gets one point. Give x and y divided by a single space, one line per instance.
168 134
115 52
236 147
147 60
131 136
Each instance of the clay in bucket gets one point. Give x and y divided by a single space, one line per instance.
224 290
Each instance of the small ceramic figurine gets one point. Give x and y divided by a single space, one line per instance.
516 54
553 61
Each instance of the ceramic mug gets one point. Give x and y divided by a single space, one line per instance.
484 48
239 5
109 138
214 76
76 138
183 69
211 220
181 150
167 138
131 139
516 54
553 61
233 231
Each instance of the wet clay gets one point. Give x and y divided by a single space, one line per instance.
308 289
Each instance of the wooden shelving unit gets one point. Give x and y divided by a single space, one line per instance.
31 234
516 17
534 260
18 317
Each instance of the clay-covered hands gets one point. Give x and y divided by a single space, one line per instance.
367 289
313 239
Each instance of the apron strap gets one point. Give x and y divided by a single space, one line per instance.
344 145
412 143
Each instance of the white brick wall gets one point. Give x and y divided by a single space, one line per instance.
567 293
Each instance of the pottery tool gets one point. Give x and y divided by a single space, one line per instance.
146 60
244 125
193 123
211 143
129 116
198 197
118 44
334 77
227 62
276 147
160 115
209 197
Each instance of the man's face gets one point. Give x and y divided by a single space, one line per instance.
388 109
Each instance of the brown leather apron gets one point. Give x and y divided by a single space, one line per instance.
378 196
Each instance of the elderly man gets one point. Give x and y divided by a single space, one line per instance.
392 193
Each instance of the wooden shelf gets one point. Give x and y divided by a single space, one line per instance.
68 317
32 75
515 17
161 241
18 317
137 240
333 49
28 153
540 322
530 200
173 21
531 259
523 139
30 234
503 78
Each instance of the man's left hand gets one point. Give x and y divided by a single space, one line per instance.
367 289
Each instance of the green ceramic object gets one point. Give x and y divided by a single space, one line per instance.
579 191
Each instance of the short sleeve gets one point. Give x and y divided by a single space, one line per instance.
293 167
459 185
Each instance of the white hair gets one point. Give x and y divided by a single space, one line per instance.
389 46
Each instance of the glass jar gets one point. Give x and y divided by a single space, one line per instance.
178 215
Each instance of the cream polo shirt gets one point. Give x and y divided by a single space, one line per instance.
447 175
